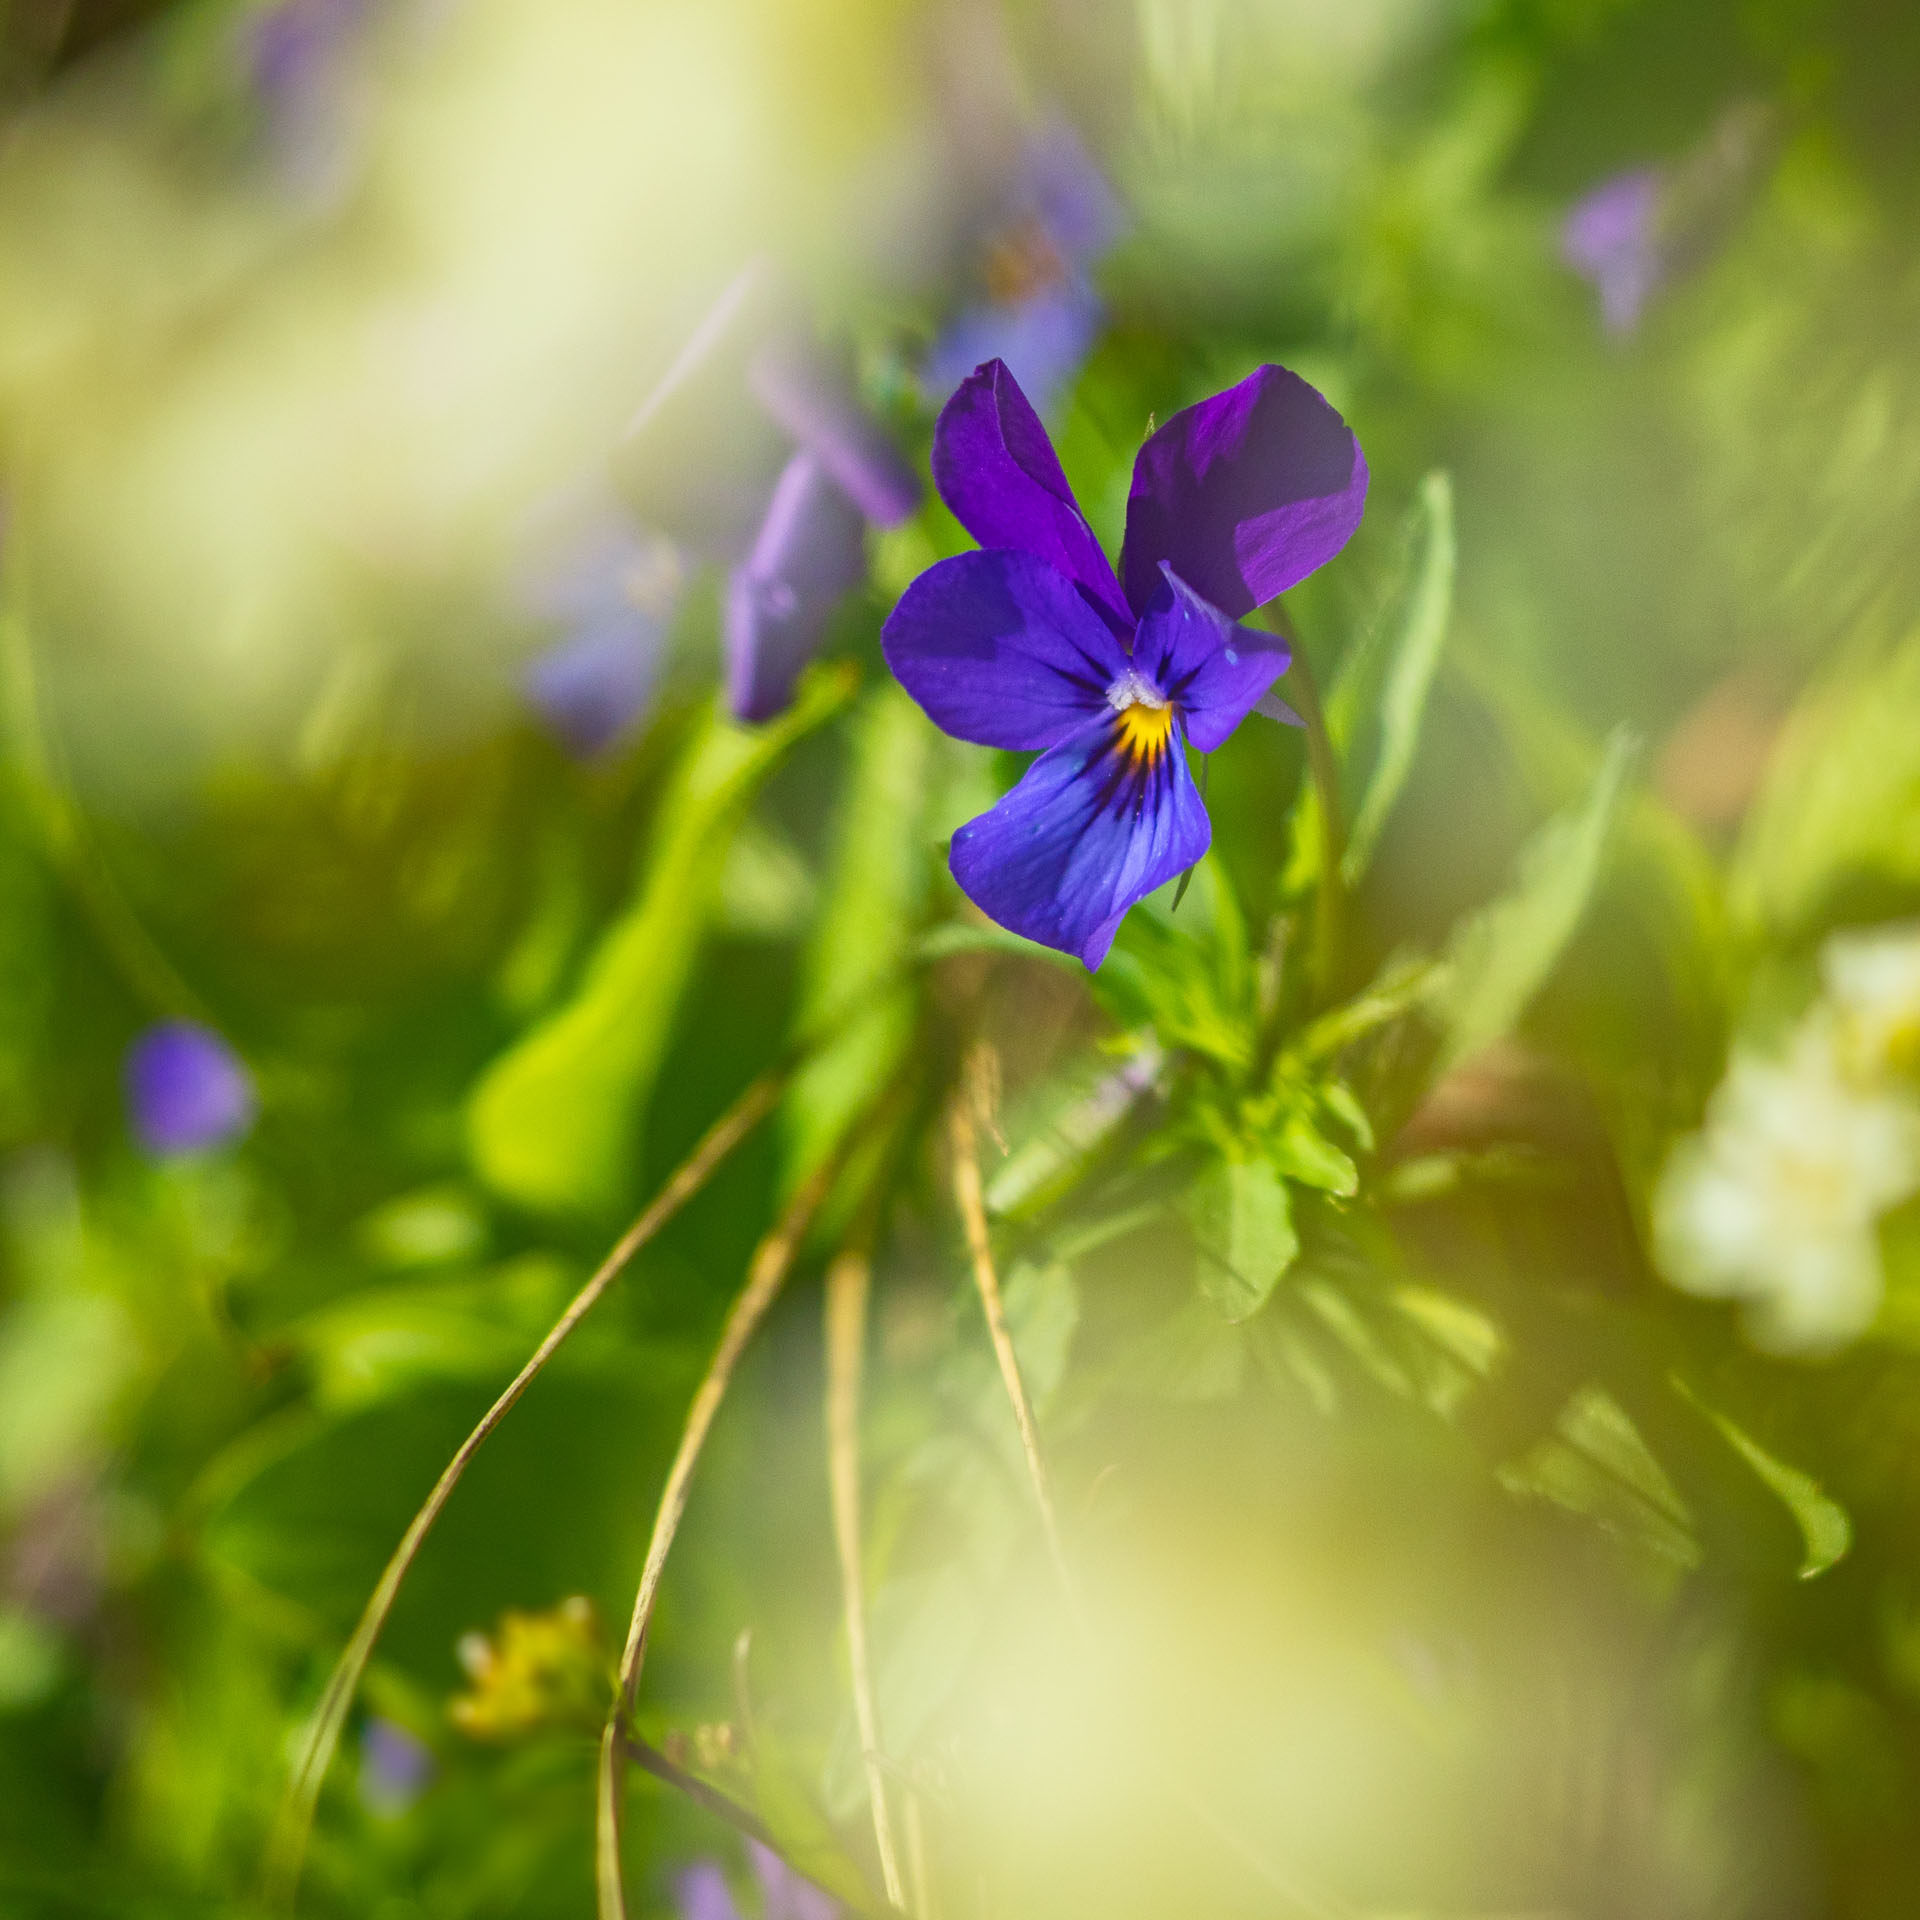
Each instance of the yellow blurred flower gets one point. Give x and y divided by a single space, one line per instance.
538 1671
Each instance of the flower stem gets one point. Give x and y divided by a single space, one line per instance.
849 1283
766 1274
321 1736
962 1129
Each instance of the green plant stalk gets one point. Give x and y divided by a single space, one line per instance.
1329 925
287 1847
766 1274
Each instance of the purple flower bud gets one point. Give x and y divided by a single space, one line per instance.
394 1768
786 1895
1612 238
186 1091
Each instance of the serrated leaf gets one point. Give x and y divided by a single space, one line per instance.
1500 957
1303 1153
865 928
554 1122
1824 1525
1243 1231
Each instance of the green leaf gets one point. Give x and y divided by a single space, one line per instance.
1378 703
1840 807
1404 675
865 928
1822 1520
554 1122
1303 1153
1499 958
1243 1229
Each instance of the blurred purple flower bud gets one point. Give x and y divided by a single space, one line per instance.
811 552
1612 238
613 594
785 1894
1041 317
186 1091
814 402
703 1894
292 45
394 1768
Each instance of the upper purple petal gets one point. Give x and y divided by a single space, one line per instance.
1069 195
1244 494
1000 648
591 687
1211 669
997 470
1090 829
813 399
186 1090
810 553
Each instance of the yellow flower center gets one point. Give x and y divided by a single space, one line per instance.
1143 717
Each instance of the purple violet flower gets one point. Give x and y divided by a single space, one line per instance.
784 1894
611 592
186 1091
395 1768
1031 643
701 1893
1041 316
756 452
1612 238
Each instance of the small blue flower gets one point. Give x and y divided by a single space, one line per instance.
1041 316
186 1091
611 593
1036 643
394 1768
1612 238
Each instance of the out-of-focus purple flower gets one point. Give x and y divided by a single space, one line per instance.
786 1895
1612 238
1639 231
701 1893
186 1091
394 1768
298 55
611 593
755 452
1034 642
1041 315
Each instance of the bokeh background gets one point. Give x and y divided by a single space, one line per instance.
356 670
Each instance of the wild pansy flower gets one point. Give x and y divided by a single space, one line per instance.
186 1090
1639 230
395 1768
1034 642
703 1893
1611 237
1041 315
755 452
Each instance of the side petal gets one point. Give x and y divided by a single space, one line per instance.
1213 670
997 470
810 552
1244 494
1000 649
1090 829
812 397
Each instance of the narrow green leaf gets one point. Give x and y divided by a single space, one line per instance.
1243 1228
865 928
1499 958
1823 1522
554 1122
1408 672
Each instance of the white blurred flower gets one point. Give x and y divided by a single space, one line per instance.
1872 987
1776 1201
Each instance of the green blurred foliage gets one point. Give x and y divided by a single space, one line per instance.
1430 1541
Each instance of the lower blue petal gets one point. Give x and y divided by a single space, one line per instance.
1090 829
